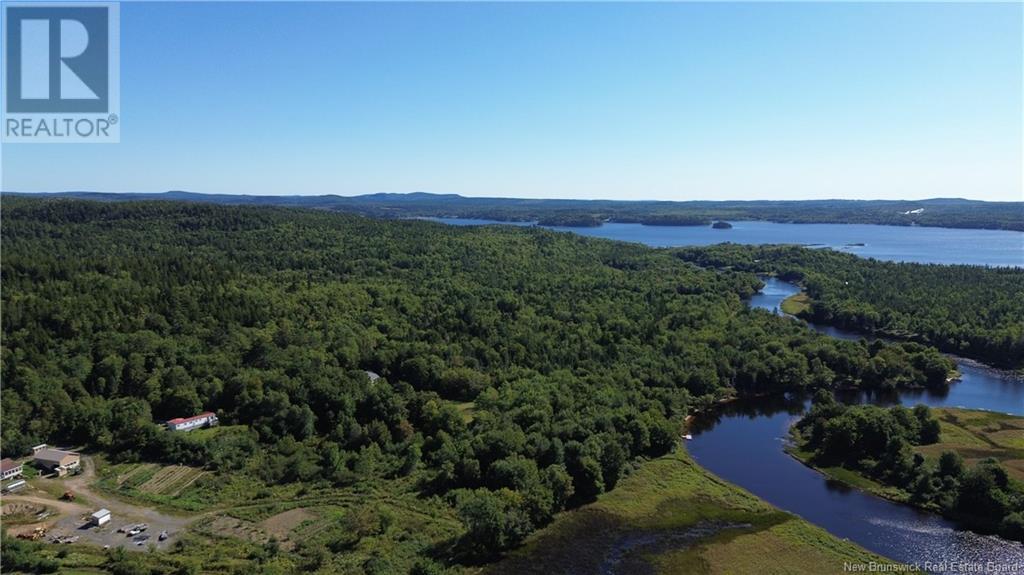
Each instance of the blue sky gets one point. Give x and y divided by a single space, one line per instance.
627 101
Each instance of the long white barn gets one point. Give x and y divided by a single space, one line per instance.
205 419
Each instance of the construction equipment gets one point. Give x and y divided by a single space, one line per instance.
68 496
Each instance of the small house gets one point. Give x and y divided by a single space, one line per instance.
9 469
56 460
101 517
205 419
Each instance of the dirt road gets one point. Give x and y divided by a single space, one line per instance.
72 519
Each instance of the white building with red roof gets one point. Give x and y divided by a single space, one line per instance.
205 419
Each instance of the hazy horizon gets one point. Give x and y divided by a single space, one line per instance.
673 102
556 198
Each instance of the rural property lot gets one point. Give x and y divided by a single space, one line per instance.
71 518
977 435
154 479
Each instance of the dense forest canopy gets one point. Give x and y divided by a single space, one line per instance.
522 369
973 311
949 213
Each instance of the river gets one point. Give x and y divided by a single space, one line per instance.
744 442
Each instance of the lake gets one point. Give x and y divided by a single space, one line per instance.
892 243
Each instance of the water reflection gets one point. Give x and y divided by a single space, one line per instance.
979 386
743 442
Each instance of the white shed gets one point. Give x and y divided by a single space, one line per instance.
100 517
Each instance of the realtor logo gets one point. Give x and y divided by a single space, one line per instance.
61 72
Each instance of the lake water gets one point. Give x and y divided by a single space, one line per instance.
744 444
892 243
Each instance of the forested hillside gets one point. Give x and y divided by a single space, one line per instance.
972 311
948 213
522 369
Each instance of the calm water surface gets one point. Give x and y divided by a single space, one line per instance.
893 243
745 444
980 387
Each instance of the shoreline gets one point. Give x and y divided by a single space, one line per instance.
792 447
805 302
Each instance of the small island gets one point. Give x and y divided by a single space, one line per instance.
720 225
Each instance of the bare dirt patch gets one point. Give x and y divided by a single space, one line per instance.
224 526
14 510
282 524
1015 468
1009 438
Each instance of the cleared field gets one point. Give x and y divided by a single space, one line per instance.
222 526
171 487
136 474
340 528
976 435
672 516
282 524
171 480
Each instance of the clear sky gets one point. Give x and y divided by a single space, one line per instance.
626 101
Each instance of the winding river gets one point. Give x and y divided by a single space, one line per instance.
744 442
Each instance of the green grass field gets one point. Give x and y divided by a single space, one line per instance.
667 498
796 304
976 435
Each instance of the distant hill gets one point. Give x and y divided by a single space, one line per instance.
940 212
